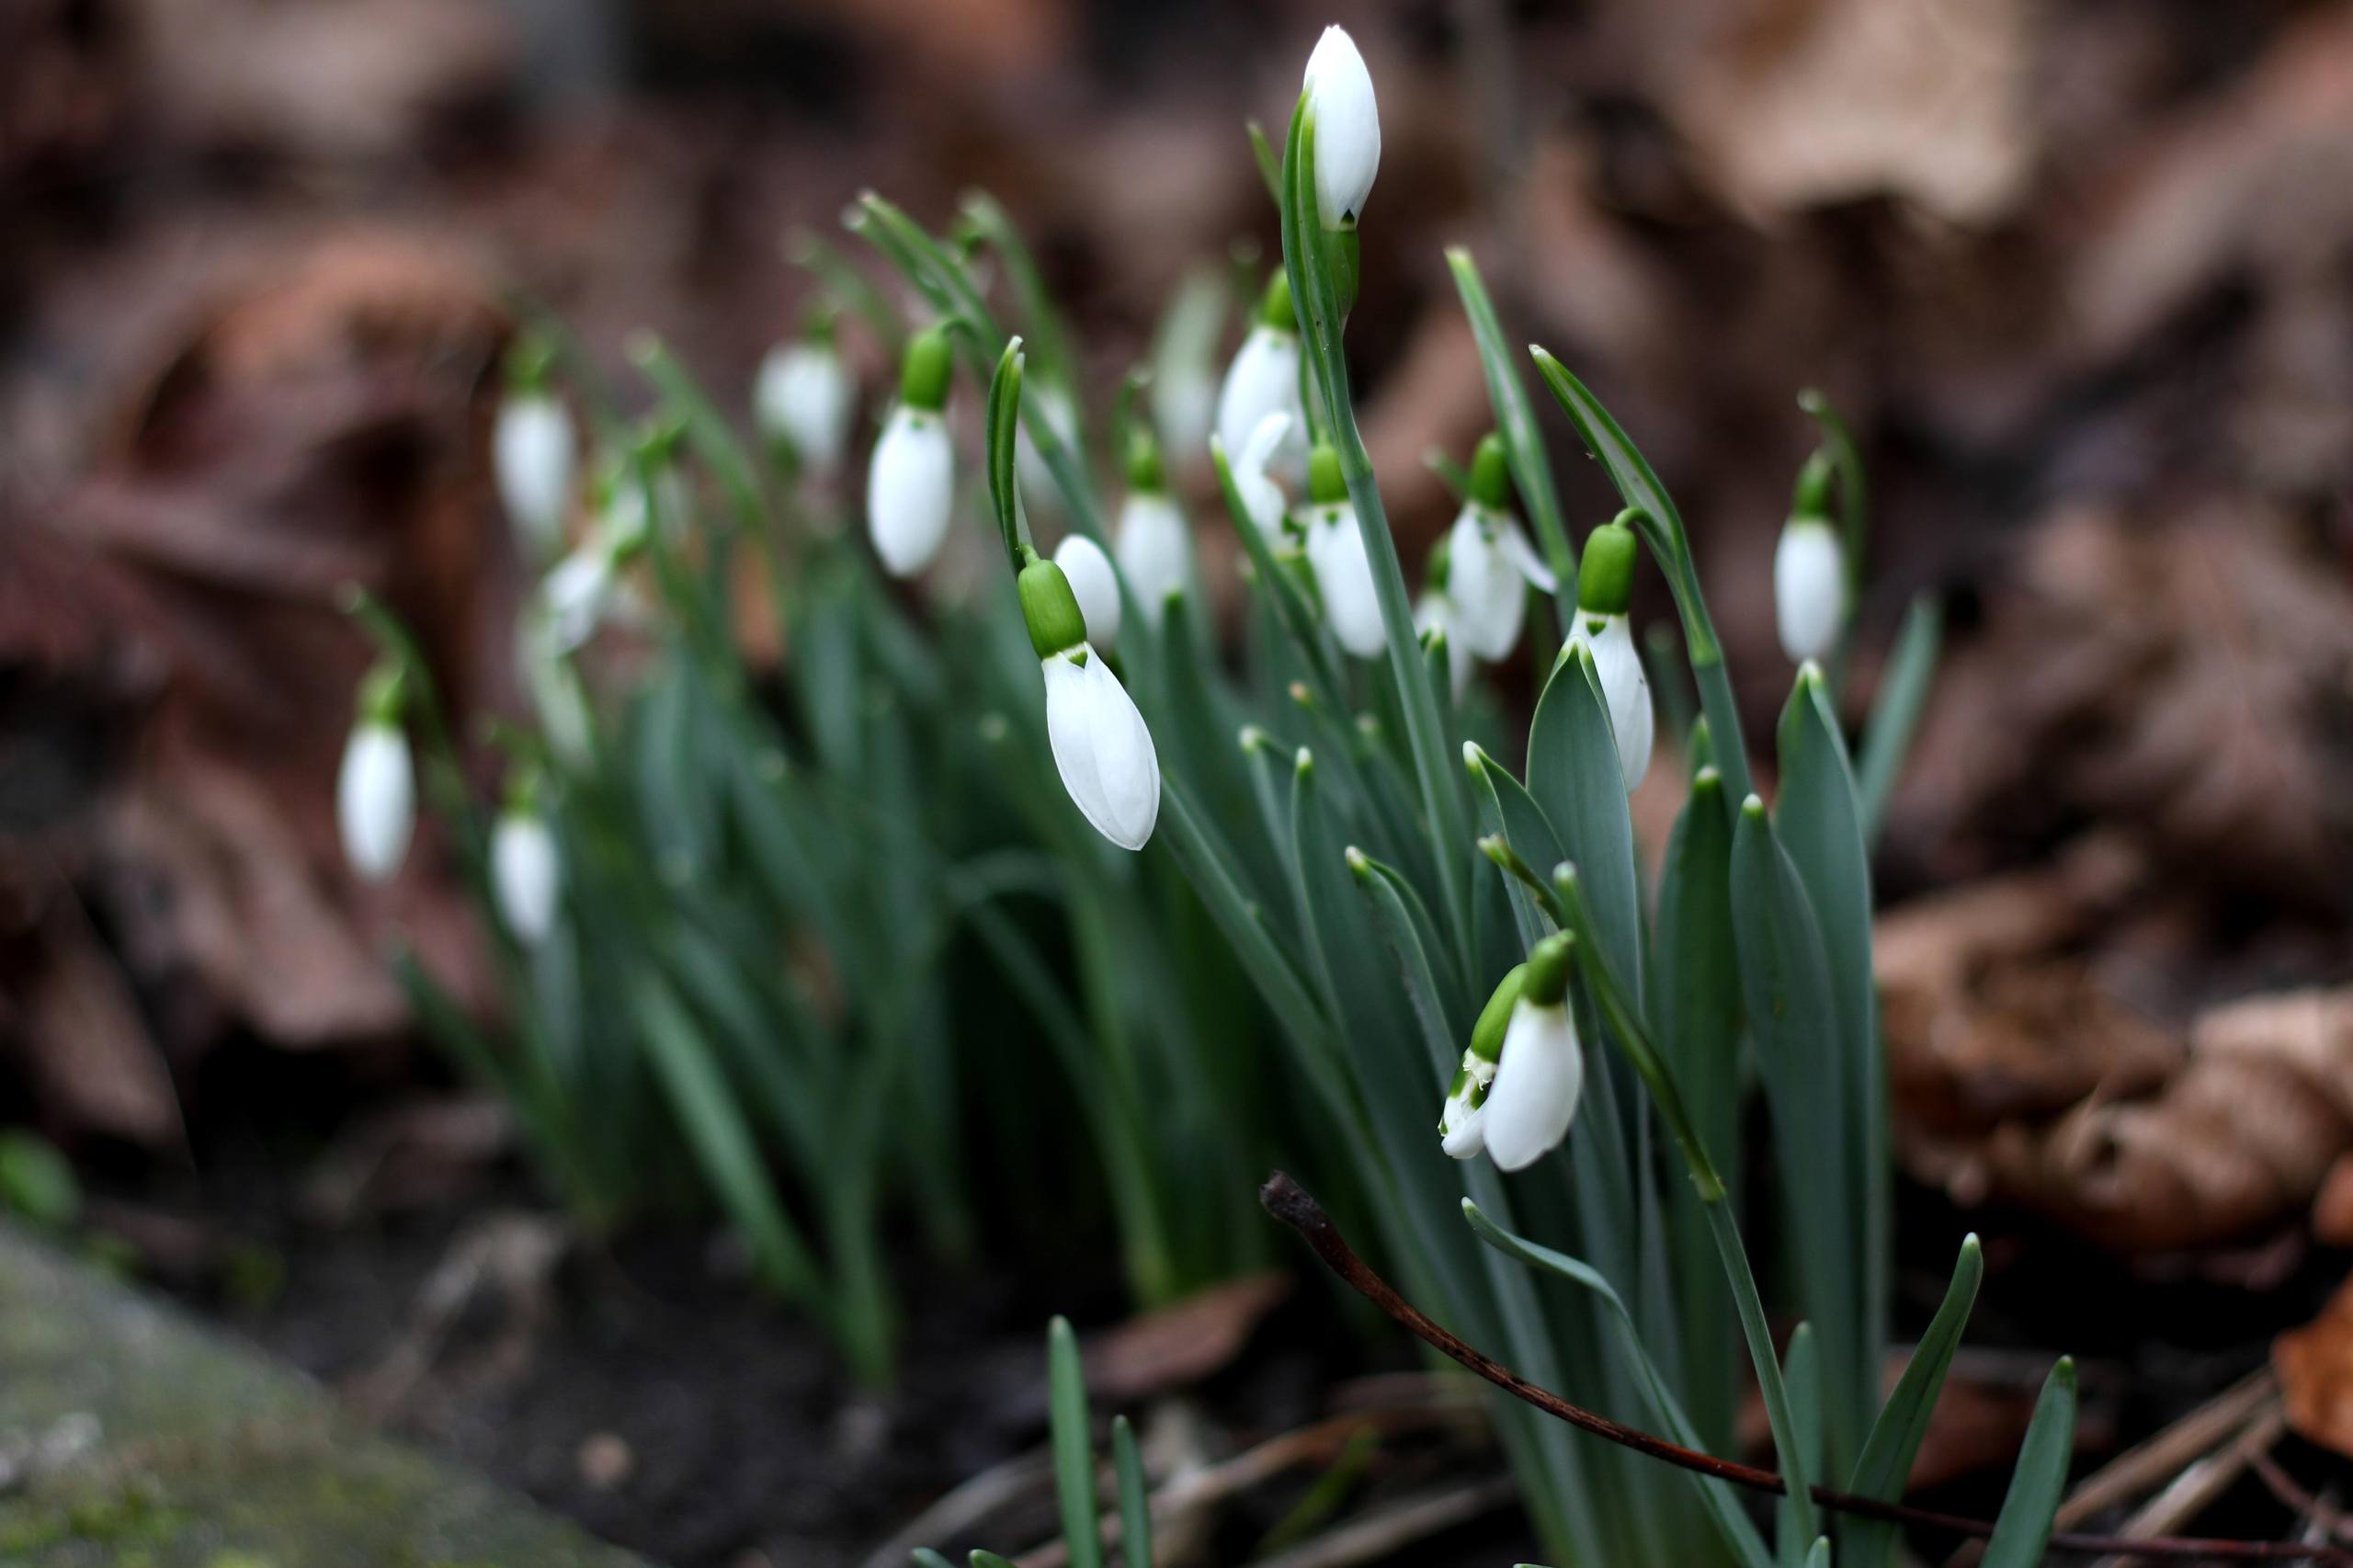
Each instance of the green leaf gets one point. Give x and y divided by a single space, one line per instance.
1135 1502
1820 1556
1507 808
1531 471
2022 1530
1731 1522
990 1560
1405 924
1885 1468
1902 696
925 1558
850 290
994 224
1296 617
1853 494
1074 1447
37 1185
1270 168
708 432
716 1135
1573 774
1802 1375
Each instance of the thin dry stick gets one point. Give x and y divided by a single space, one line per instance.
1295 1207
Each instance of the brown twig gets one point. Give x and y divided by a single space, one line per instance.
1295 1207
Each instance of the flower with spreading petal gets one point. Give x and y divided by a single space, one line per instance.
1101 747
1262 499
1462 1124
525 873
1605 588
576 593
1335 550
534 453
1154 547
1491 562
803 397
1540 1070
1348 128
376 787
910 483
1808 588
1095 583
1264 381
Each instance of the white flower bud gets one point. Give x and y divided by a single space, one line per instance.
577 594
1809 588
1436 612
376 799
910 486
525 874
533 455
1263 381
1344 576
1095 584
1348 128
1101 746
803 397
1154 550
1625 689
1485 582
1534 1097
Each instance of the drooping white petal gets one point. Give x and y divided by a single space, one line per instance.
525 873
803 396
1617 664
375 799
1535 1093
1809 589
1154 548
1344 577
534 452
1101 747
1184 406
1264 381
1463 1125
1348 128
1435 612
1094 584
1521 553
910 486
1489 591
1039 487
577 594
1261 496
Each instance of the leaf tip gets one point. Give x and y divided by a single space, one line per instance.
1753 808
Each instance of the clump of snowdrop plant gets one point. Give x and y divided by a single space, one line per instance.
803 400
376 788
1423 917
1810 572
525 873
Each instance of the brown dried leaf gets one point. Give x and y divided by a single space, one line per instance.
2315 1364
1184 1342
91 1059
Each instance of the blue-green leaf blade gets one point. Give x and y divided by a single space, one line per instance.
2022 1530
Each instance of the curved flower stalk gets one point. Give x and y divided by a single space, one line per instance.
376 787
535 453
803 400
1336 551
525 873
1491 564
1810 572
1152 543
1102 748
1348 128
910 483
1263 381
1605 588
1516 1091
1094 582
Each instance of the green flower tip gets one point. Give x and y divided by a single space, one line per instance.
1049 608
1810 677
530 359
1491 473
1707 781
1274 306
1811 497
1753 808
1606 578
383 693
522 792
1299 694
1251 739
1146 474
1327 485
1440 564
1548 970
923 374
1474 759
1357 864
1303 762
1487 1034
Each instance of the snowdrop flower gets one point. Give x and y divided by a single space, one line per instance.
1435 615
1335 550
1262 499
1540 1066
577 594
1039 487
1264 381
1605 587
1491 561
376 788
524 870
533 453
1462 1124
1095 584
803 400
1810 573
1101 746
910 483
1348 128
1154 547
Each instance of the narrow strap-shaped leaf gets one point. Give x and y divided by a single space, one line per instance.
1135 1502
1406 925
1573 774
1802 1374
924 1557
1531 471
990 1560
1074 1445
1886 1466
1506 808
1904 686
1292 612
2023 1529
1820 1556
1724 1511
713 440
988 216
